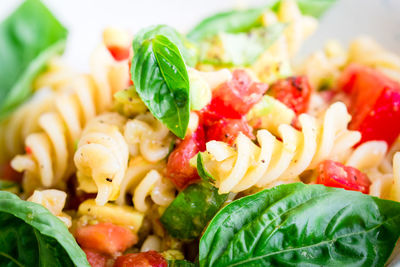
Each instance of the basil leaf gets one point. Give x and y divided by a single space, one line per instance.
180 263
162 82
9 186
31 236
234 21
315 8
242 49
187 49
28 38
201 170
307 225
191 210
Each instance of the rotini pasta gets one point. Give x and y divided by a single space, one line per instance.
102 157
143 179
148 137
272 160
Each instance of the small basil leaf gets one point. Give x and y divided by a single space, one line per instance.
242 49
31 236
230 22
9 186
186 217
302 225
187 50
315 8
28 38
201 170
180 263
162 82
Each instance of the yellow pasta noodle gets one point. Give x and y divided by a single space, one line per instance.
148 137
251 165
102 156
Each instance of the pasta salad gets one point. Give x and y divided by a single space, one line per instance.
209 148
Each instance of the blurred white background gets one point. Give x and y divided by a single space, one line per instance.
85 20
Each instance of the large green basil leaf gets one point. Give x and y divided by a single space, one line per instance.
302 225
241 49
186 217
31 236
187 49
28 38
161 80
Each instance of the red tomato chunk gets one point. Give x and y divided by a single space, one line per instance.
374 103
119 53
9 174
294 92
95 259
143 259
105 238
234 98
226 130
179 170
335 174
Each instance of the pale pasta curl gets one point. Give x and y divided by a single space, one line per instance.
148 137
102 157
252 165
143 179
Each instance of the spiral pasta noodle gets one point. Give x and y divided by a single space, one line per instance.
102 156
142 180
148 137
251 165
59 127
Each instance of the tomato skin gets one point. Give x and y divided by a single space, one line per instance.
179 170
143 259
226 130
95 259
335 174
105 238
119 53
234 98
374 103
9 174
294 92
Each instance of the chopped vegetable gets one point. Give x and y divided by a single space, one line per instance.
95 259
105 238
234 98
374 103
335 174
294 92
143 259
119 53
191 210
226 130
179 170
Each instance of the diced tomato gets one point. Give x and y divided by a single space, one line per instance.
105 238
95 259
119 53
9 174
374 103
234 98
179 170
335 174
294 92
143 259
227 130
